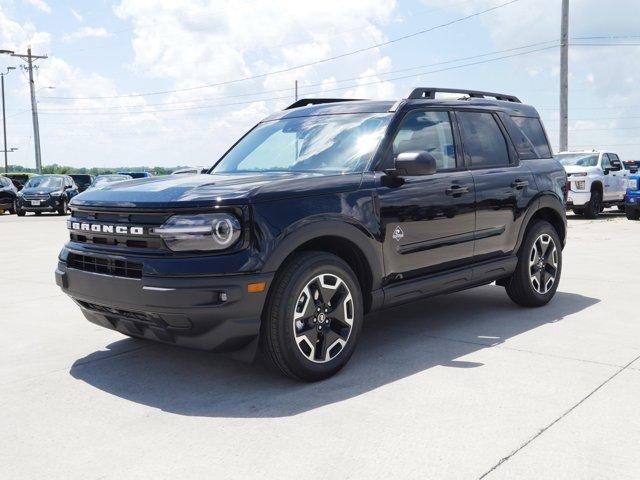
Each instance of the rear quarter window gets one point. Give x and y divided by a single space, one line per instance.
532 129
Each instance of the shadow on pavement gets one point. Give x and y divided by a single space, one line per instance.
395 344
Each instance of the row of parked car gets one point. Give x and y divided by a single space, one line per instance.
25 192
599 179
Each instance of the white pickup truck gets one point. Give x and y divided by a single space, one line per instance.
596 179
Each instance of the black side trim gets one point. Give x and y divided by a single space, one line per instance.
450 240
458 279
435 243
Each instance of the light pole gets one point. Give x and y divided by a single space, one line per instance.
4 119
29 58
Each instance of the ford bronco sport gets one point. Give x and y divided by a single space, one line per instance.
321 213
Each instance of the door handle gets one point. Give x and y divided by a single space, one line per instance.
519 184
456 190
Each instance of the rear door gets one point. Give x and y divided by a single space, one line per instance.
428 221
504 185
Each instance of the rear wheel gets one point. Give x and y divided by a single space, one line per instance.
313 317
20 212
13 208
38 213
536 278
578 211
594 206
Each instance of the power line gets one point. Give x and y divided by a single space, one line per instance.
71 112
278 90
316 62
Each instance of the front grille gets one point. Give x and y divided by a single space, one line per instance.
36 197
147 220
106 266
118 241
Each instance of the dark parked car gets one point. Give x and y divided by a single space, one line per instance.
104 180
82 181
8 195
321 213
18 178
46 193
136 174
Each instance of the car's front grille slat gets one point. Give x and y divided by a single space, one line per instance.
105 266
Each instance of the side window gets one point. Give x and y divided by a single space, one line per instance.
606 163
532 128
484 143
427 131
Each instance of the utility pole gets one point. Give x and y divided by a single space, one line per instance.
296 90
564 78
29 58
4 121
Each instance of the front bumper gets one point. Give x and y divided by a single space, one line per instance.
185 311
577 199
47 205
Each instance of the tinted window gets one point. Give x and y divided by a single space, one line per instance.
606 163
579 159
430 132
532 128
484 144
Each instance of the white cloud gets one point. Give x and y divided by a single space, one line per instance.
39 4
76 15
86 32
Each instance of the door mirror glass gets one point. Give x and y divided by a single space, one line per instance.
415 164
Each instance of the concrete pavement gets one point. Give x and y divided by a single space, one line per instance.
459 386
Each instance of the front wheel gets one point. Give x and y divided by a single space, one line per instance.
537 274
20 212
313 317
633 213
62 210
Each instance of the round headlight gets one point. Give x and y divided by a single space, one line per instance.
223 231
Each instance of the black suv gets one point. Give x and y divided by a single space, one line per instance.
321 213
46 193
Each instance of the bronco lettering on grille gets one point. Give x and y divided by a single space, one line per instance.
103 228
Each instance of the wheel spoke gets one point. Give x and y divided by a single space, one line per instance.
327 340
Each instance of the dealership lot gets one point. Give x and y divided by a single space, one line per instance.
457 386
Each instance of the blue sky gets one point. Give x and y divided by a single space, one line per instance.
128 50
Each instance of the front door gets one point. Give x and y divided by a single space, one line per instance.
428 221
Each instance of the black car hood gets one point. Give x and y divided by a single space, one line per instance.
217 189
39 190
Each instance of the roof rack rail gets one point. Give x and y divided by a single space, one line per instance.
430 93
305 102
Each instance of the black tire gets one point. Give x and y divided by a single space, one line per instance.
621 208
13 208
594 206
632 213
287 298
62 210
20 212
520 287
578 211
38 213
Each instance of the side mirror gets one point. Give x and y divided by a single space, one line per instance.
412 164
